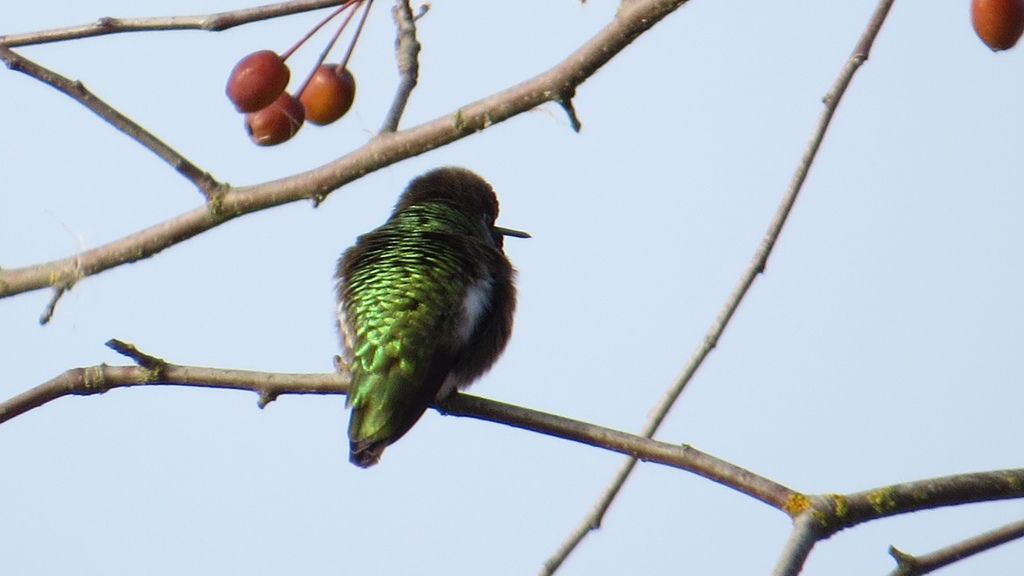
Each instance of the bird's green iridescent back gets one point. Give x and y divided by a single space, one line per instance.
403 286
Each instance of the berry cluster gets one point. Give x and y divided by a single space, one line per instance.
999 23
257 87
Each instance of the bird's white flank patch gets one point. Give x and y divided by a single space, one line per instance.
475 304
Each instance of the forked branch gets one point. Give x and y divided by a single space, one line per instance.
383 150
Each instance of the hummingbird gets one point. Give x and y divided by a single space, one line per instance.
425 305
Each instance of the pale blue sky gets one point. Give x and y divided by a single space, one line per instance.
883 344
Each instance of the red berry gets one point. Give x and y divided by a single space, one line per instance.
999 23
275 123
257 80
329 94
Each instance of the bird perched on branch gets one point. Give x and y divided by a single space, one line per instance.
425 305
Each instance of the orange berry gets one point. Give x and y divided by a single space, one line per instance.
257 80
276 123
329 94
999 23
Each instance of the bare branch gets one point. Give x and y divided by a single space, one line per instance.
76 90
210 22
678 456
156 371
407 52
100 379
816 517
383 150
593 519
852 509
908 565
802 539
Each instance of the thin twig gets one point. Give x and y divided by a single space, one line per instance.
908 565
77 91
565 101
407 52
757 265
210 22
385 149
141 358
51 306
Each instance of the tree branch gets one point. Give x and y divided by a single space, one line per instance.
210 22
683 456
102 378
816 517
407 51
802 539
156 371
593 519
845 511
77 91
908 565
383 150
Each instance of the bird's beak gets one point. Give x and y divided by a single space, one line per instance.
511 232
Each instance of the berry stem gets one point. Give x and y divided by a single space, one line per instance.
352 45
327 49
317 28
